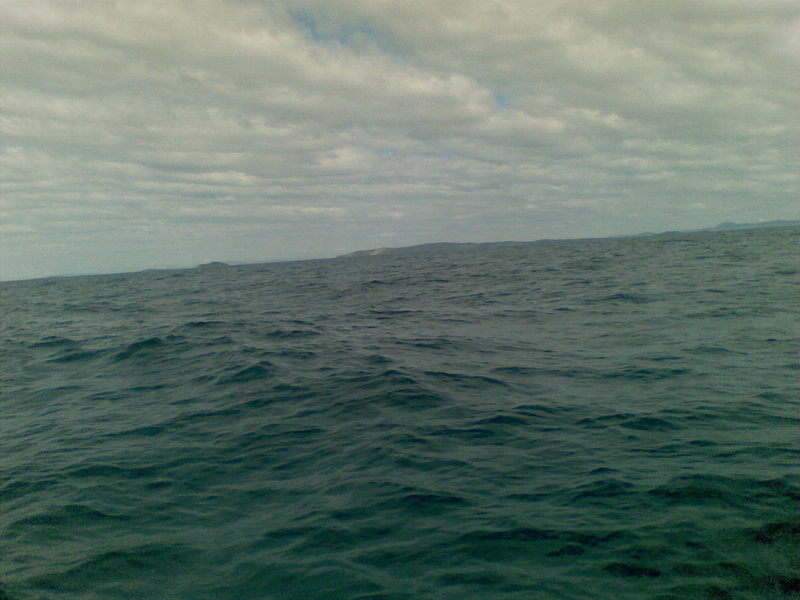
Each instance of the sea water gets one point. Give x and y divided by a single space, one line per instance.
587 419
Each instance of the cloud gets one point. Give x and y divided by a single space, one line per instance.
311 127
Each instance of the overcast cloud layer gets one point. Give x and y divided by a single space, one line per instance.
156 134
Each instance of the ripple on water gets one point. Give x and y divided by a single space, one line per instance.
599 419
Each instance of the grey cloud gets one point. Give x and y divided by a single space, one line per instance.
270 130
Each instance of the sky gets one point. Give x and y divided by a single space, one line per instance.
160 134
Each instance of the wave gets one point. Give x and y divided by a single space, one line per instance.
547 421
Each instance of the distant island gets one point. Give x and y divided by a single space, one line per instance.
728 226
422 249
213 265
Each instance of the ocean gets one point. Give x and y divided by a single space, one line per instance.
585 419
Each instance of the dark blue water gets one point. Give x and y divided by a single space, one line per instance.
567 420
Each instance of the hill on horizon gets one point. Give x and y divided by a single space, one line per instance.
434 246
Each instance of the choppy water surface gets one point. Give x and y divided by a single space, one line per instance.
565 420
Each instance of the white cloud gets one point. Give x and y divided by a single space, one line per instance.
127 124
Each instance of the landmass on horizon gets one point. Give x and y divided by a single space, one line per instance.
432 247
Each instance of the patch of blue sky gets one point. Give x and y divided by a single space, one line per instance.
342 34
501 98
